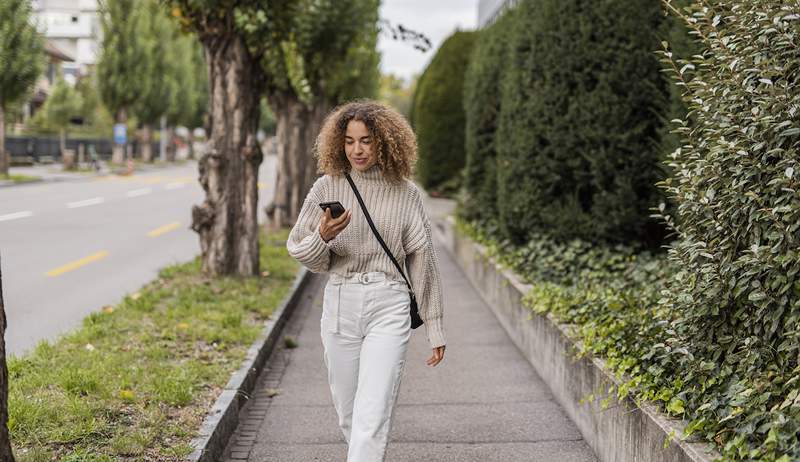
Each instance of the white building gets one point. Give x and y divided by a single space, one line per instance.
489 10
74 27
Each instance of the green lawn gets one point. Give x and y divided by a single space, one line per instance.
135 381
18 178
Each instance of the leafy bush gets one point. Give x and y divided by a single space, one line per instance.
438 115
737 294
578 134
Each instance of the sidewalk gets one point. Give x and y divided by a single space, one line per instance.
483 402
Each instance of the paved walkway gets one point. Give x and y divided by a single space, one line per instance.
483 402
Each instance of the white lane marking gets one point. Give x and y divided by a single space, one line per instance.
15 215
139 192
84 203
175 185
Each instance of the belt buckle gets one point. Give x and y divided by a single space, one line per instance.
364 278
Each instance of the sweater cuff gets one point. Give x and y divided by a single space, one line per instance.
318 245
434 328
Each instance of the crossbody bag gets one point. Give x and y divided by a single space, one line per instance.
416 321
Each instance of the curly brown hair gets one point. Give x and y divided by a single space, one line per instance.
394 140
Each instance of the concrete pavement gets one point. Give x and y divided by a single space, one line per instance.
483 402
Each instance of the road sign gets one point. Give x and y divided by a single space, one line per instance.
120 133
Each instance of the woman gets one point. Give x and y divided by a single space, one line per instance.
365 324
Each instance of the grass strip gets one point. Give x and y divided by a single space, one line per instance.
136 380
18 178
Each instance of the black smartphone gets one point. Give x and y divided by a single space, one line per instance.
337 209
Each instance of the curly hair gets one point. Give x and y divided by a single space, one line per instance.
394 140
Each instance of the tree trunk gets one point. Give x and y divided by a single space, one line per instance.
4 160
171 144
118 151
227 221
147 148
62 141
5 440
297 128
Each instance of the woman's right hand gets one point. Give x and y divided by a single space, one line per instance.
329 227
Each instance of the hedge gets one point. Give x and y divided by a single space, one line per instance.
711 329
438 115
581 116
481 110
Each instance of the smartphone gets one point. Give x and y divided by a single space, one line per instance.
337 209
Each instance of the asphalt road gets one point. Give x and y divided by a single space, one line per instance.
70 247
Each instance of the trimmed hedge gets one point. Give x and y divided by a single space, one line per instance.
565 109
581 116
481 109
438 115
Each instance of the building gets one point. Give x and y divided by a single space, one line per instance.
55 59
73 27
489 10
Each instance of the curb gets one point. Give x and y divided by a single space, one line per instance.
223 418
623 430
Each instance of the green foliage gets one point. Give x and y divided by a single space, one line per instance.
397 93
190 98
577 139
158 74
737 295
21 51
482 110
120 69
315 50
439 113
63 104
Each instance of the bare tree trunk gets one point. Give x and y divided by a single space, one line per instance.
5 440
171 144
297 128
4 160
147 138
62 140
118 151
227 220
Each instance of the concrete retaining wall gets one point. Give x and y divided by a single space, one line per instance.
621 432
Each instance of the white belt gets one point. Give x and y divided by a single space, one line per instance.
364 278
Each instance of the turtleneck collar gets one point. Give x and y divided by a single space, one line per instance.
374 174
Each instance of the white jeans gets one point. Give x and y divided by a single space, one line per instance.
365 328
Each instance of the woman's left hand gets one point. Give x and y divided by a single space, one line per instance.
438 355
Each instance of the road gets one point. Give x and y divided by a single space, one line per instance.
68 248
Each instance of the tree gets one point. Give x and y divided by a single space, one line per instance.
120 66
292 50
63 104
21 61
329 57
6 454
439 113
226 221
158 73
397 93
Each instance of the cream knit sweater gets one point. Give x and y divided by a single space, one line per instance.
399 216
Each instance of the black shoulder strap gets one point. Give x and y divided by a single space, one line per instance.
375 231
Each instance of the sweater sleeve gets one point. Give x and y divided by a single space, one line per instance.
305 244
423 270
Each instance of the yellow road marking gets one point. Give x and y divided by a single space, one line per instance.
78 263
164 229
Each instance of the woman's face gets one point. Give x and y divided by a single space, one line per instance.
358 145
